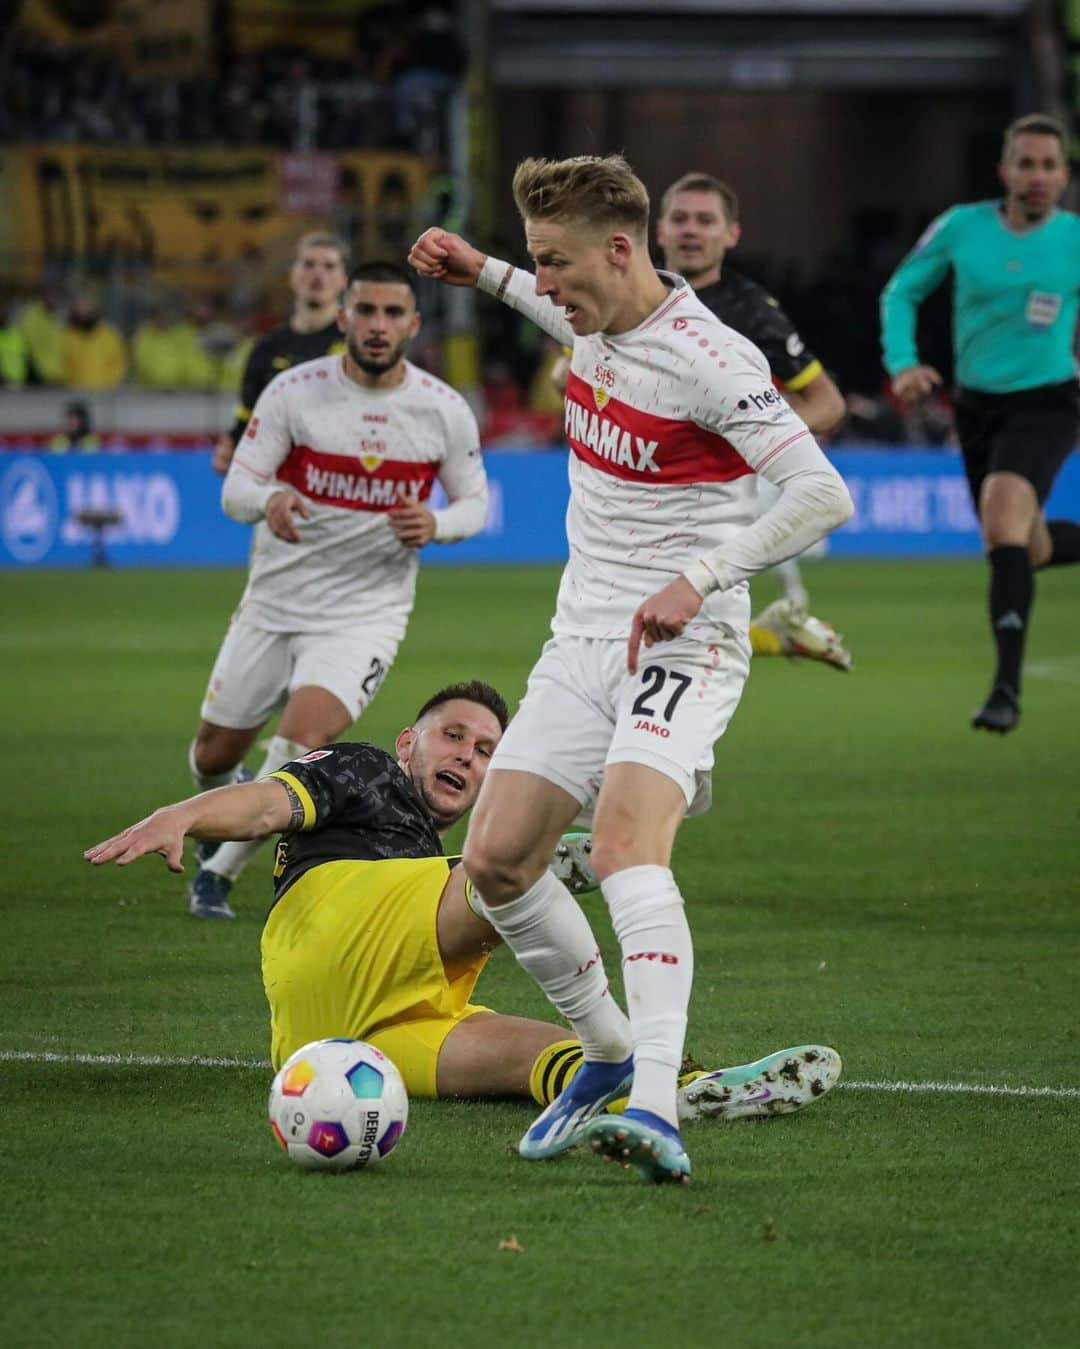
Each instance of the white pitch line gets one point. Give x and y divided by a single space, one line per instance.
971 1088
201 1061
129 1060
1059 672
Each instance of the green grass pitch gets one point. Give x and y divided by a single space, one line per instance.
873 875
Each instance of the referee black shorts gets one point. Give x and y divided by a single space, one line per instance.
1030 432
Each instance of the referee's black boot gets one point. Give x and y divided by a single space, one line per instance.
1000 712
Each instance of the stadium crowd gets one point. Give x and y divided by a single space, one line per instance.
66 340
389 91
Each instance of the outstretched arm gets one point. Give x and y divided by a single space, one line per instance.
246 810
448 257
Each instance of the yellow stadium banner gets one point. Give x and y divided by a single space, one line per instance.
149 39
314 27
10 238
195 217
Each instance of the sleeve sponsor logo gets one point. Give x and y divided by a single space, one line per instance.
253 429
794 346
315 756
767 399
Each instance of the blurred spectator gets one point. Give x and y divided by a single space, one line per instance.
14 353
235 360
93 349
158 351
207 339
432 64
77 435
43 329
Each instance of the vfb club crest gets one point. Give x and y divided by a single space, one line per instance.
603 383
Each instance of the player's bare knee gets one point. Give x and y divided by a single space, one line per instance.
498 875
612 854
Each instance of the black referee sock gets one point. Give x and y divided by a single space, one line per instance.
1012 589
1065 537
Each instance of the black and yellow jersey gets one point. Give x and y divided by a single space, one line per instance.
279 350
358 805
748 308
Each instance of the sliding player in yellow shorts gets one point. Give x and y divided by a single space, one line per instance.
371 934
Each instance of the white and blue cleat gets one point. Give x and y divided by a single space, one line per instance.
572 864
208 896
562 1124
645 1141
778 1084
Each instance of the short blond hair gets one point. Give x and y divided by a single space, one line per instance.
322 239
601 190
703 182
1034 124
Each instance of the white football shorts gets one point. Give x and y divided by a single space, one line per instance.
583 709
256 670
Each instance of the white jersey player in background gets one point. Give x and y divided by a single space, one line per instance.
669 414
336 466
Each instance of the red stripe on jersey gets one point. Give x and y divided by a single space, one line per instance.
782 446
677 298
342 480
250 468
641 447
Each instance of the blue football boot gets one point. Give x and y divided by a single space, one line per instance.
560 1126
640 1139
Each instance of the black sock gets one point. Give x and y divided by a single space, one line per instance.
1065 538
1012 589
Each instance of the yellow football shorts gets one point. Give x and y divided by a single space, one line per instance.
351 949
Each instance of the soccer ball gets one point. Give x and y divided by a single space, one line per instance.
338 1105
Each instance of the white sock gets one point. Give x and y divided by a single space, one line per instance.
552 939
791 580
231 858
658 971
207 781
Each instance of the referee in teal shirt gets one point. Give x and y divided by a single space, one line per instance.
1016 267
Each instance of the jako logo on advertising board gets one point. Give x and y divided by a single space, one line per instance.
40 508
148 504
28 510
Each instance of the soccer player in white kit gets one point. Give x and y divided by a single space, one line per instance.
668 414
337 466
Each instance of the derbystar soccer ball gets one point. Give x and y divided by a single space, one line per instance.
338 1105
